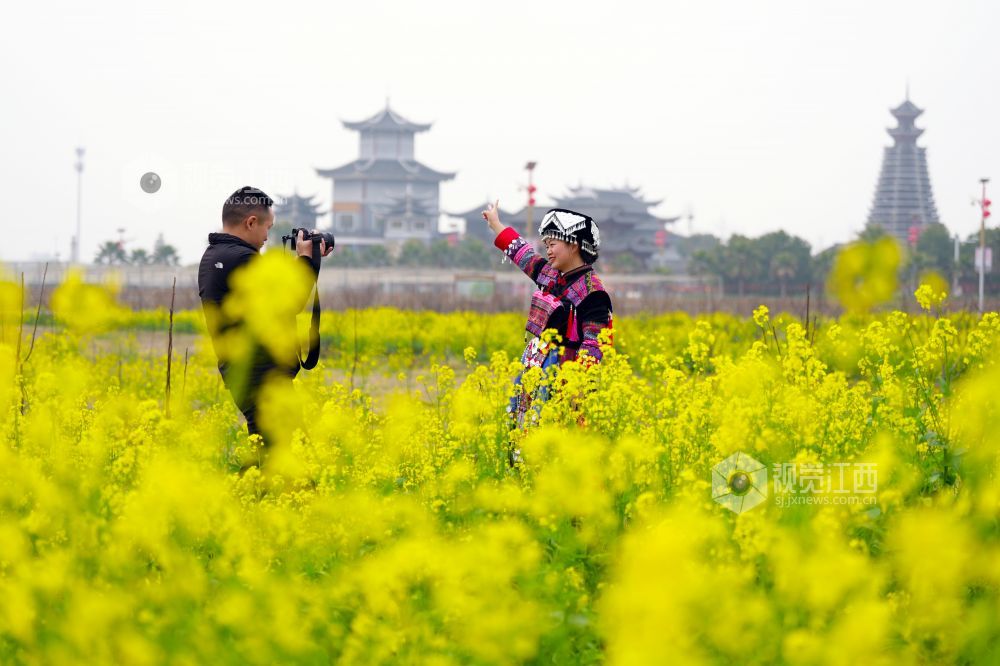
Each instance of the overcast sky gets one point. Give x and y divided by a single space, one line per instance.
753 116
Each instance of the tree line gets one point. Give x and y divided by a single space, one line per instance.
114 253
468 253
780 263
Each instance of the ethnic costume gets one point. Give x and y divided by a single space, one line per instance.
575 304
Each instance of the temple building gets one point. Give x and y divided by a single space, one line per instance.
627 226
297 211
385 195
293 212
903 196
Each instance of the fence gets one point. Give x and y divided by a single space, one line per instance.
447 290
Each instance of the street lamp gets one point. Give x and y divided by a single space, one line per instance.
79 202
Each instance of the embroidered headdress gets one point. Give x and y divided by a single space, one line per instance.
572 227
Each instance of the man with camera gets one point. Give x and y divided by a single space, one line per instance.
246 220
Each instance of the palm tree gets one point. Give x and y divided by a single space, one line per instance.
742 261
139 257
111 252
164 253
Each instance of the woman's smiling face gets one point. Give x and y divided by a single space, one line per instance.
562 255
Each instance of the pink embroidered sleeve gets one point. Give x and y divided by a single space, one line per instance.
520 252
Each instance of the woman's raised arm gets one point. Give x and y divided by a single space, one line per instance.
509 242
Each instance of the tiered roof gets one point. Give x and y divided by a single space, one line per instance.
381 167
903 195
297 208
387 120
621 214
386 169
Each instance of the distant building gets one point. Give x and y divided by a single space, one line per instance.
626 225
292 212
297 211
385 195
903 196
476 227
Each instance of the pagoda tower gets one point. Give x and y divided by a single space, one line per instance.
298 211
385 194
903 196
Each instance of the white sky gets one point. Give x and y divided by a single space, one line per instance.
754 115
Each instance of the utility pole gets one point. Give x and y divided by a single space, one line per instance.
79 204
530 168
984 208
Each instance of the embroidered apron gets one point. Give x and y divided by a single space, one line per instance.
545 308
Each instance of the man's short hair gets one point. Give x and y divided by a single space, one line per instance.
244 202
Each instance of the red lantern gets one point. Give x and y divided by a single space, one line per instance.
986 208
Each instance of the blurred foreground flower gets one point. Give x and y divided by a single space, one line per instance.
86 308
266 296
932 292
864 274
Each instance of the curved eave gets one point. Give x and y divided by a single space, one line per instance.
317 210
386 119
365 125
906 110
913 133
400 170
606 197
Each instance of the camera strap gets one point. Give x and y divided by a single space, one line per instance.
313 356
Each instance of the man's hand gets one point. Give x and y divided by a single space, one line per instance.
303 248
492 217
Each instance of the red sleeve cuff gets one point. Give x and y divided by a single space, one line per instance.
505 238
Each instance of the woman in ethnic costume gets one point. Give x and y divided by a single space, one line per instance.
570 297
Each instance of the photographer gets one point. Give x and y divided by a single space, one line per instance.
246 220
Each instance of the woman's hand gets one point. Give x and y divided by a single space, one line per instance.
492 217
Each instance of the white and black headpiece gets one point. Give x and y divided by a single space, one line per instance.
572 227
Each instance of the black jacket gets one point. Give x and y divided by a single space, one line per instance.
225 254
595 307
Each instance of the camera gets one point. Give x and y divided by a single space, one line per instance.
309 235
